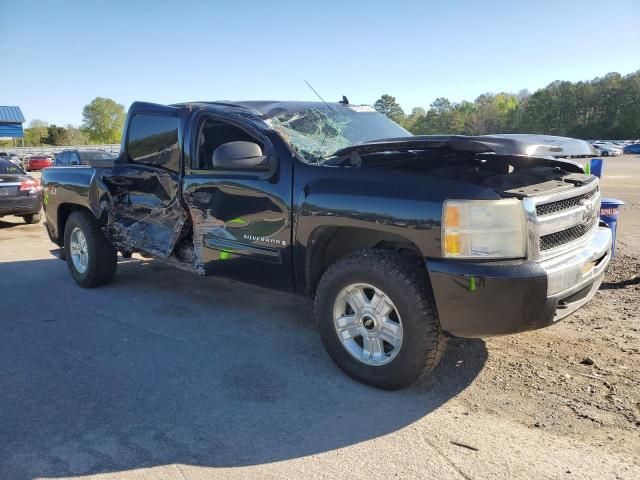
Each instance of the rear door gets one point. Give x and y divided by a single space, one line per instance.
148 214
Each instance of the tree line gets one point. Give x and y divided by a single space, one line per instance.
102 122
603 108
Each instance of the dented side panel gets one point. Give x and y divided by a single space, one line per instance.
145 212
241 228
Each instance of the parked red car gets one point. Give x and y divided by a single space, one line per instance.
38 162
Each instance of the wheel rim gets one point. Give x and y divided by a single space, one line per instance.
79 250
368 324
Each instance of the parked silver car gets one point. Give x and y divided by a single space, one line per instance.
607 149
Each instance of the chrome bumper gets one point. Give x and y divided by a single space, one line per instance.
574 278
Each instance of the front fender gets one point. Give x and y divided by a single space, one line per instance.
380 201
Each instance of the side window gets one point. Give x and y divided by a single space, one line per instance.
153 140
212 135
73 158
64 158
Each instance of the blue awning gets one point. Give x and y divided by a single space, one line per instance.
11 130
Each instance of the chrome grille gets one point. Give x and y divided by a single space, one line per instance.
561 205
553 240
560 222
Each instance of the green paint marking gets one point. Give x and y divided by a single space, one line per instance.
224 255
239 221
472 284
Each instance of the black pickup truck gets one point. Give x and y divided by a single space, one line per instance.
401 240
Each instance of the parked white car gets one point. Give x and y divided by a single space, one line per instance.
607 149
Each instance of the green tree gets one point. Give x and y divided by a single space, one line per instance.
416 115
75 136
388 106
56 136
605 108
36 133
103 120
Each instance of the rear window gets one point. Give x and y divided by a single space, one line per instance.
153 140
8 168
92 156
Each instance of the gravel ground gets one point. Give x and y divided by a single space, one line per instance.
579 378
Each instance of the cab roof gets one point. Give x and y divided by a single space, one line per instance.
266 109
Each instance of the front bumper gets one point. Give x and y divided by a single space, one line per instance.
483 299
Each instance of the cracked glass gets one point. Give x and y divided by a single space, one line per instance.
317 133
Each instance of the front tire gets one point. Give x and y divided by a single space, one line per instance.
378 320
91 259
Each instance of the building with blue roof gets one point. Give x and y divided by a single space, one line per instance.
11 120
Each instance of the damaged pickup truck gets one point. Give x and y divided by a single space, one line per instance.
401 240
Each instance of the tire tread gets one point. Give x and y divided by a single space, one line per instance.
103 266
413 278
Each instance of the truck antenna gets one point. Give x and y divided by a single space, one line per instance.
314 91
327 130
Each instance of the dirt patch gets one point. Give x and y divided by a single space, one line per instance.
579 378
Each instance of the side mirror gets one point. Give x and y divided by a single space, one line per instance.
239 156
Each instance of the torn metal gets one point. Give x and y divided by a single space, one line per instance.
155 233
139 222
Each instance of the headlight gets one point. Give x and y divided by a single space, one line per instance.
483 229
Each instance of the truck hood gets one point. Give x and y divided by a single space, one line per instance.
505 144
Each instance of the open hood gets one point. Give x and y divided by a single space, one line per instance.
504 144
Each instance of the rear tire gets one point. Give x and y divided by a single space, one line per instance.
93 261
32 218
404 283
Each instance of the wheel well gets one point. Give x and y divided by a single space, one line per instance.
328 244
64 211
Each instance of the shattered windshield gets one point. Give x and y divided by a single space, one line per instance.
317 133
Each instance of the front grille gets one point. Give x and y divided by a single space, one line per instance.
557 239
561 205
559 222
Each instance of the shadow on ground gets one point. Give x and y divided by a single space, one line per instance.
621 284
4 224
163 367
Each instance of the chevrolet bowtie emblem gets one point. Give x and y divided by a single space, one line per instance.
589 210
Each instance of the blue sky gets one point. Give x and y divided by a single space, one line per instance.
59 55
